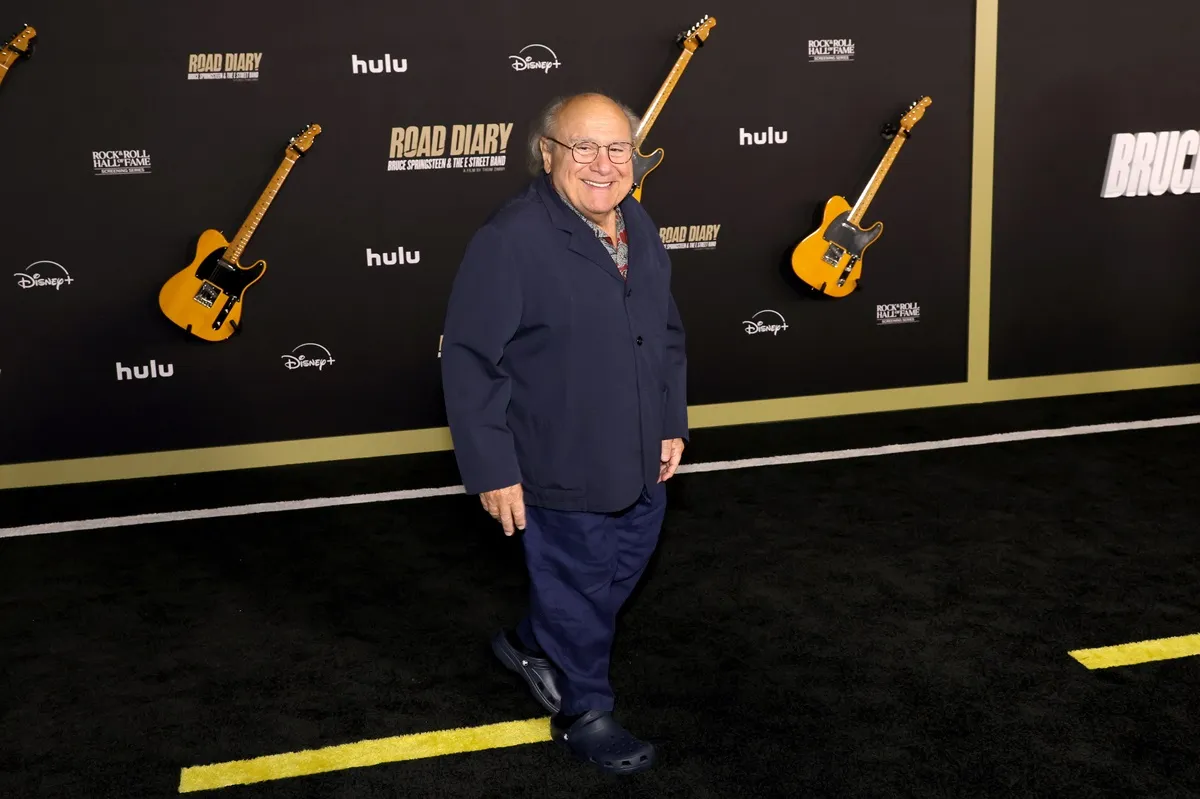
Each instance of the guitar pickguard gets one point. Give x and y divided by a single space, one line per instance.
645 164
230 280
222 285
849 237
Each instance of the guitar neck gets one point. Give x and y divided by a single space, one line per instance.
860 207
660 99
234 251
7 59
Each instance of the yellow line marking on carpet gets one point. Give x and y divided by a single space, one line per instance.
1106 657
364 753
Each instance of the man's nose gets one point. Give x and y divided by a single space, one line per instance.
602 163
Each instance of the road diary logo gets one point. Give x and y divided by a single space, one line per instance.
535 57
830 50
44 275
121 162
224 66
1140 164
689 237
314 356
766 321
897 313
478 147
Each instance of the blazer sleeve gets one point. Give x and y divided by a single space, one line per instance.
675 418
482 315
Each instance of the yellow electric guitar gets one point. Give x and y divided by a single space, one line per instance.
830 258
690 41
205 298
19 46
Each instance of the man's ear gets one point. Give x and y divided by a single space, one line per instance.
545 154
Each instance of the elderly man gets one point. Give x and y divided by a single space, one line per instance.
564 374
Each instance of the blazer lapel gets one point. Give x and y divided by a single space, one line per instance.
583 240
589 246
642 238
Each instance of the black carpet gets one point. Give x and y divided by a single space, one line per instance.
891 626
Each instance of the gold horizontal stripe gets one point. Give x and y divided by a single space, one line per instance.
437 439
219 459
913 398
364 753
1107 657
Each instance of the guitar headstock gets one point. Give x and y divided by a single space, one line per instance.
22 42
915 112
696 35
303 140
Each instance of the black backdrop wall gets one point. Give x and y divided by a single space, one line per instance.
1082 281
115 77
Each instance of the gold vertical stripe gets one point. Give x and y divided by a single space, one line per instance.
364 753
1106 657
982 174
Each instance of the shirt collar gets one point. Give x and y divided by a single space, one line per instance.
599 231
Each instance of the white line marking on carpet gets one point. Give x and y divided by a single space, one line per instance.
686 468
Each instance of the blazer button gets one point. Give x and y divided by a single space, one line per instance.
639 341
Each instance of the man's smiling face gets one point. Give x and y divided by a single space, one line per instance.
595 188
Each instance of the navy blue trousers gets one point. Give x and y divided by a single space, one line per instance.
582 568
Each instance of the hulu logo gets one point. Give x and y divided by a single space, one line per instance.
143 372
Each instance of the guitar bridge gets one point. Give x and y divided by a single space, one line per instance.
207 295
833 254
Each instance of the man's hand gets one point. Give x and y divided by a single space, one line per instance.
507 506
672 451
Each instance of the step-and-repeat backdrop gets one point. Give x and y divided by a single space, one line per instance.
137 125
1096 261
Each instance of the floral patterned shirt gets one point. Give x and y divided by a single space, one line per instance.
619 250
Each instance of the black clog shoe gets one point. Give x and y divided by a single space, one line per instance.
540 674
596 737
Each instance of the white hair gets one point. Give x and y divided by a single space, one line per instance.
546 124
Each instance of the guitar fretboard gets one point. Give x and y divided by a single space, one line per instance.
860 207
7 59
236 247
660 99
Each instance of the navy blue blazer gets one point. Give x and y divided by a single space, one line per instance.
557 373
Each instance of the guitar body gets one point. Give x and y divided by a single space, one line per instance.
205 298
830 258
643 165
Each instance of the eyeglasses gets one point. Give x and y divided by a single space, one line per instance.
585 152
